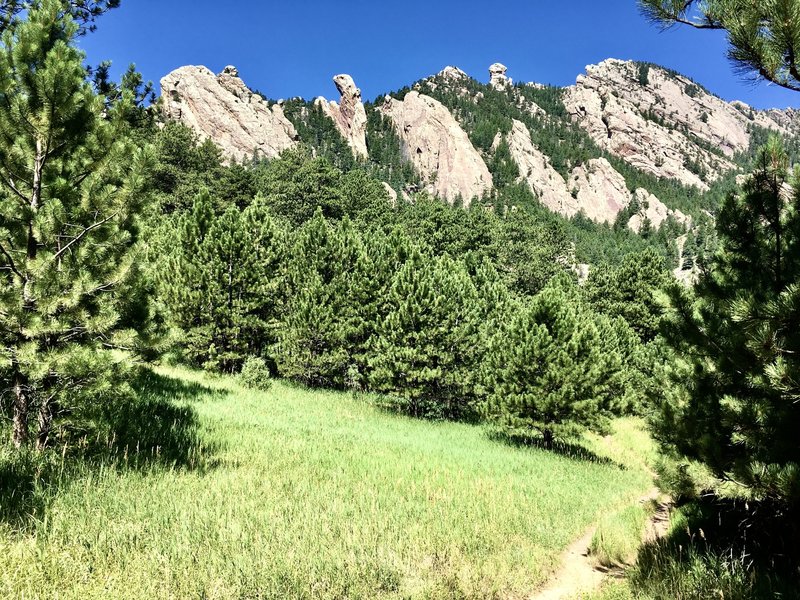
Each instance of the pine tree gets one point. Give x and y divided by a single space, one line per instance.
734 403
547 371
325 316
762 35
83 12
221 279
631 291
71 194
296 184
424 349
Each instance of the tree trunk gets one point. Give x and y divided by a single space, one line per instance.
547 434
45 424
21 408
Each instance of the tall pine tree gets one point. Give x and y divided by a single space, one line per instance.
221 279
425 347
734 403
71 193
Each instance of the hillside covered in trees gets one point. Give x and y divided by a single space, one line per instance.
545 266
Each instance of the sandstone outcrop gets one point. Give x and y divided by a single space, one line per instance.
497 77
438 147
391 193
600 191
653 210
223 109
661 122
453 74
348 114
535 169
595 188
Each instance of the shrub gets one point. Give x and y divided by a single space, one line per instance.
255 374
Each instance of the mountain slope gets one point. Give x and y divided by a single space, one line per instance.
628 140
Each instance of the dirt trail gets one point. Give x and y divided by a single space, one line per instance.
578 573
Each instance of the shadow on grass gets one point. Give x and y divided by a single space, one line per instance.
149 426
723 548
560 447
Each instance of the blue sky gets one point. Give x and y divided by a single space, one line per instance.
293 48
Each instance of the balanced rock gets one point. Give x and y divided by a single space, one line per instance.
348 114
497 77
434 142
223 109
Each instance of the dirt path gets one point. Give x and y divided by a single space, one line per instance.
578 573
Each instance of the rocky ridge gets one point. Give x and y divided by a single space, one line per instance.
535 170
595 188
661 122
656 120
348 114
438 147
222 108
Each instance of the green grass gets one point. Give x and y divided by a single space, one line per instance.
619 536
303 494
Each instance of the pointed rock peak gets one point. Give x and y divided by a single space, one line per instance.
348 114
453 73
434 142
347 87
497 76
230 70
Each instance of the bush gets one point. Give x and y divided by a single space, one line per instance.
255 374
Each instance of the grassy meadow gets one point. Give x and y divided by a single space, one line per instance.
302 494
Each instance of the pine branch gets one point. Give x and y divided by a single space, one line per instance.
11 263
81 235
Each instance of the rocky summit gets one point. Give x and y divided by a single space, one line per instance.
630 121
222 108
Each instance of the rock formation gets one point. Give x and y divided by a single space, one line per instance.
654 211
390 193
349 114
595 188
453 74
600 191
654 119
497 77
660 122
438 147
535 169
223 109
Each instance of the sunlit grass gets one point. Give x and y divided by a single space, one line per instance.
317 495
619 535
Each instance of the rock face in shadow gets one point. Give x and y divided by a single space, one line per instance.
661 122
222 108
348 114
438 147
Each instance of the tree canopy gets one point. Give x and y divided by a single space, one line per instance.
763 36
83 12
